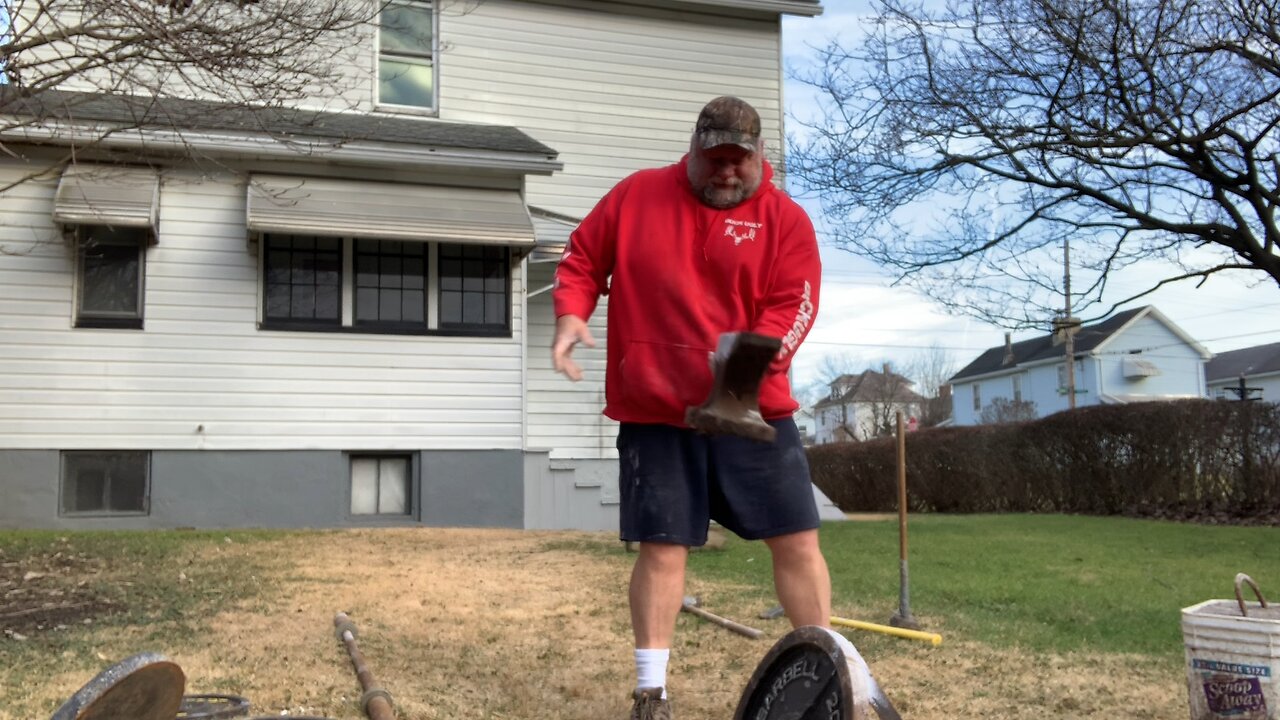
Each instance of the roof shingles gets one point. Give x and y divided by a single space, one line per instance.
1043 347
135 111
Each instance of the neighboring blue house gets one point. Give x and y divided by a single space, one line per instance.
1134 356
1259 366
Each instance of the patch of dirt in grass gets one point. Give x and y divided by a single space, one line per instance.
497 625
47 591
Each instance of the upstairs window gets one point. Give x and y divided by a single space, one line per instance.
406 54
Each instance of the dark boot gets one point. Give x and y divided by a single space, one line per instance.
733 408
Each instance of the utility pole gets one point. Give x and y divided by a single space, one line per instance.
1244 392
1068 326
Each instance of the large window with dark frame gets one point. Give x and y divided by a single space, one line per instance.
391 284
475 287
110 267
303 281
387 286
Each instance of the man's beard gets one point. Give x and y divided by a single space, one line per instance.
723 197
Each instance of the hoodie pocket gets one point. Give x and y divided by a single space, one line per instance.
661 380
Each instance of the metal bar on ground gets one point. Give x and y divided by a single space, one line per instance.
376 701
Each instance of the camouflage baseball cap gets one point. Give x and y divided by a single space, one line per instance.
728 120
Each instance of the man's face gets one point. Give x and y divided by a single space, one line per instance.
725 175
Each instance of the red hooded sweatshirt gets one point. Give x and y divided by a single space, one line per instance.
682 274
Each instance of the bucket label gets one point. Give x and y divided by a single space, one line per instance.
1234 696
1229 667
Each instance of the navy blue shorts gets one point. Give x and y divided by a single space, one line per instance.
673 481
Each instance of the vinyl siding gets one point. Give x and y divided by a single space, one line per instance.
613 89
564 416
201 375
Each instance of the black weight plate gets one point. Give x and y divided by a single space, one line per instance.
803 677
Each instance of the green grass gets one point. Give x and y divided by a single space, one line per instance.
163 582
1039 582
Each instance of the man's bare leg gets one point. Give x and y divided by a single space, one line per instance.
801 578
657 591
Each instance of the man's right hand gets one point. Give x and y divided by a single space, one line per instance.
570 330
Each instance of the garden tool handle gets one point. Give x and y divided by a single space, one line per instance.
1240 579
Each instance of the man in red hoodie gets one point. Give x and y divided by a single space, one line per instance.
686 253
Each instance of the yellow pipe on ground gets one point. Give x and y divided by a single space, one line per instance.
934 638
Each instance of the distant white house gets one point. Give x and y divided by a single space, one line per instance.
861 406
1134 356
1257 367
806 424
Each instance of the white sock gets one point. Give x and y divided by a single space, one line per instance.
651 668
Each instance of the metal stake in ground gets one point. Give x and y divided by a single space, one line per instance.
903 617
376 702
690 605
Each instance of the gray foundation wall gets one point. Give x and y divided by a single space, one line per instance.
270 489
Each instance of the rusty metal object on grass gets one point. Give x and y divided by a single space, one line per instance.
212 707
813 672
376 701
691 606
146 686
733 407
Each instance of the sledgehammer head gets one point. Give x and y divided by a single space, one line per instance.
733 407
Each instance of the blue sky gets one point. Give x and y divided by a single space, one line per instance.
864 319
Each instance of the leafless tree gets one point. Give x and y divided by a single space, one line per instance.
932 369
233 50
1004 410
172 64
1135 129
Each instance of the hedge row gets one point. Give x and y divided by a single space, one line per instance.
1183 459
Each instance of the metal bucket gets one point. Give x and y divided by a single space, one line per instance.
1233 657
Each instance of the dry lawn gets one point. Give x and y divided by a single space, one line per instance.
491 624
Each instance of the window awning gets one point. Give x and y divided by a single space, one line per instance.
91 194
389 211
1135 368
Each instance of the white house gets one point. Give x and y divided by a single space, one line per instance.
298 317
862 406
1258 368
806 423
1137 355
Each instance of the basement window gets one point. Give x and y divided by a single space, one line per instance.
380 485
105 482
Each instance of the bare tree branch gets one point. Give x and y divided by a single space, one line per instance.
1139 130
